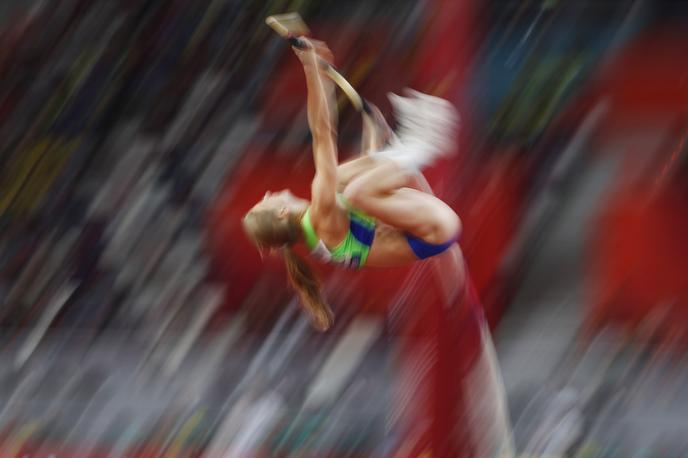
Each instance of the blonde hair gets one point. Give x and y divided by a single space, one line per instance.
267 231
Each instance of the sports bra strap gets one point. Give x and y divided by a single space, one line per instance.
309 234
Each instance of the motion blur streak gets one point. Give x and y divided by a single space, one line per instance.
136 319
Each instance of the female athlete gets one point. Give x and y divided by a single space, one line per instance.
370 211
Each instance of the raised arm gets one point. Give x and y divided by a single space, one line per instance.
322 119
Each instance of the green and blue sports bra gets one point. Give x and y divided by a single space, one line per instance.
353 251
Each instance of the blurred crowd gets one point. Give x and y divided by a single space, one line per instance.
137 321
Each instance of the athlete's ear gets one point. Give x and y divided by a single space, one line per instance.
282 212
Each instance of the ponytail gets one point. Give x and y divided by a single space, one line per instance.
267 232
308 288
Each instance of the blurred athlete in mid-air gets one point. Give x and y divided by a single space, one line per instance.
370 211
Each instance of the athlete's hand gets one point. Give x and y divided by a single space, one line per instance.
314 52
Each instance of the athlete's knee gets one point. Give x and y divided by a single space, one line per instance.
356 192
447 224
382 179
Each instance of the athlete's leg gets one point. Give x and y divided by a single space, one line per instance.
349 170
426 127
376 133
385 193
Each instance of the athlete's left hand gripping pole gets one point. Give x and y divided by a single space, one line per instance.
290 26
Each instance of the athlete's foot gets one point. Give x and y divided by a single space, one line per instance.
426 129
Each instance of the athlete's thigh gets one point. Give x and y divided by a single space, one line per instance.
349 170
409 210
383 178
355 167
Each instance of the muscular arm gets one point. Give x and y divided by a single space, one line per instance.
322 120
